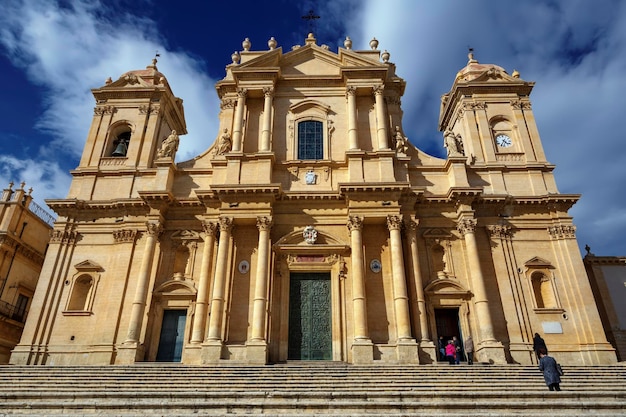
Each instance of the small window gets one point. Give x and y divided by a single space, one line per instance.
310 140
19 313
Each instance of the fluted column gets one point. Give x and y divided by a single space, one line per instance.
353 138
264 224
355 225
411 231
381 119
139 302
467 227
238 125
266 131
202 300
219 283
400 295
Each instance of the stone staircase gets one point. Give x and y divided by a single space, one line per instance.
309 388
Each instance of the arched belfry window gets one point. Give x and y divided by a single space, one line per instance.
310 140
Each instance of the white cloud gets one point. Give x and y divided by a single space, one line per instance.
575 52
83 51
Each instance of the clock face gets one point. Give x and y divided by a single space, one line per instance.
503 140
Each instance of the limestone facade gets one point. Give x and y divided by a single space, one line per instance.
24 234
311 228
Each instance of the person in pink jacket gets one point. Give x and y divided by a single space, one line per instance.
451 352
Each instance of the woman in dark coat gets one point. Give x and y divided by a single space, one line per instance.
547 365
538 344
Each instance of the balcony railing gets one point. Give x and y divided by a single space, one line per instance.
12 312
41 213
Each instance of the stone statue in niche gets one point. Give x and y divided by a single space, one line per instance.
225 144
169 146
451 143
401 142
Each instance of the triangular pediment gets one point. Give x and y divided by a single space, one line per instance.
538 262
88 265
311 60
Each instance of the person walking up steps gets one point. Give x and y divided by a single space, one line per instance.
550 369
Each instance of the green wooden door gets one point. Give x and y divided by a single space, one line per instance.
310 336
172 334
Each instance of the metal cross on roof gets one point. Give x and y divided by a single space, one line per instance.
311 17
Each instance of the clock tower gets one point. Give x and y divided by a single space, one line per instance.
489 112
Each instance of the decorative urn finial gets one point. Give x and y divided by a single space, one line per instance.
235 57
272 43
246 44
385 55
374 43
347 43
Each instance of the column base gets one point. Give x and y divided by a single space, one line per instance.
192 354
256 352
129 353
28 355
362 352
407 351
427 352
211 352
491 351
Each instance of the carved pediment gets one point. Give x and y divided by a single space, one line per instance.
186 235
128 80
494 74
446 286
538 262
88 266
176 286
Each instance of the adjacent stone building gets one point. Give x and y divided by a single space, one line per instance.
607 275
24 234
311 228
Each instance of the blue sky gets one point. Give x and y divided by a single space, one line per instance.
53 52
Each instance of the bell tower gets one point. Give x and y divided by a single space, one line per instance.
488 112
132 119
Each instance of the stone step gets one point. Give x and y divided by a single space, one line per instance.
171 390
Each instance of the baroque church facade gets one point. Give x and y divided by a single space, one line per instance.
311 229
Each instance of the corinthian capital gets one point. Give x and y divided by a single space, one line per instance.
226 224
500 231
154 228
210 228
264 223
394 222
465 226
355 223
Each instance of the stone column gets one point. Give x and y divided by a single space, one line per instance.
406 347
400 296
154 228
489 349
257 346
481 304
238 122
202 300
381 119
353 138
362 348
219 283
411 231
264 224
266 131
